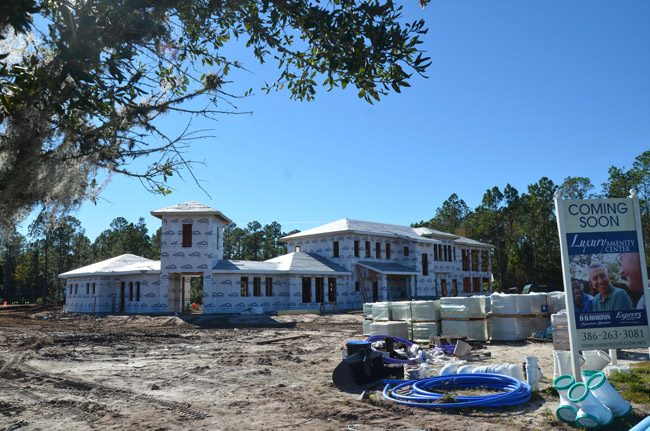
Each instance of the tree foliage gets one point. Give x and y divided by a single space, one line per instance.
86 95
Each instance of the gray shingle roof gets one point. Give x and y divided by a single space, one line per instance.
472 243
363 228
297 263
120 265
388 267
189 208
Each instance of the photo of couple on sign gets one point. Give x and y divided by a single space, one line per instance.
607 282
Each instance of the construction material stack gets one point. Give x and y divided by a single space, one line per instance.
367 318
464 317
515 317
412 320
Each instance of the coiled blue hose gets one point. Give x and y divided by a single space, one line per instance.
389 360
419 393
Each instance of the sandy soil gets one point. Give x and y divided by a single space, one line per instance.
68 372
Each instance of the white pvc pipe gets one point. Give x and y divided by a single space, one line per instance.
603 390
596 360
592 412
567 410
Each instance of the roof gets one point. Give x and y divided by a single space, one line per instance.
426 231
296 263
389 268
472 242
190 208
121 265
361 227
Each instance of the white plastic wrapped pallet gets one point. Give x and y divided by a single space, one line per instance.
555 301
394 329
473 329
381 311
367 327
400 310
560 325
425 311
503 303
367 310
462 307
423 331
538 302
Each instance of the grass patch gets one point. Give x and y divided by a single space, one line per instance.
635 385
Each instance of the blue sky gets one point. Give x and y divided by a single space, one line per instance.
516 91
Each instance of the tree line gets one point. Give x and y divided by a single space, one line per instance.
521 226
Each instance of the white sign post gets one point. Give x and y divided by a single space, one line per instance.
605 277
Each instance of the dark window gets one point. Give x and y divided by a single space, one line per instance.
454 253
320 289
474 260
435 252
269 286
465 260
466 286
137 291
76 288
244 286
378 250
306 289
257 286
335 249
445 258
331 290
357 286
476 284
187 235
367 248
425 264
387 250
93 288
130 291
439 251
443 286
406 251
87 288
356 248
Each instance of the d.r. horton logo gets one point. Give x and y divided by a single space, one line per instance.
623 316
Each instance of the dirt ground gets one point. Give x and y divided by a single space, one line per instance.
69 372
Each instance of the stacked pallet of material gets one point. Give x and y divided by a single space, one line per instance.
425 320
516 317
464 317
381 311
367 317
556 302
392 328
560 325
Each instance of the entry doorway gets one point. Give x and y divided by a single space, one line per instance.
375 291
443 287
186 293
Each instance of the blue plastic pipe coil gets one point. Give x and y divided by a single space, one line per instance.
421 393
644 425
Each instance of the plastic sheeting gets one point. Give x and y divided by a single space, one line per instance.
560 331
400 310
394 329
367 310
472 329
367 327
555 301
381 311
463 307
423 331
425 311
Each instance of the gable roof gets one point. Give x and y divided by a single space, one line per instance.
427 231
190 208
472 242
296 263
120 265
361 227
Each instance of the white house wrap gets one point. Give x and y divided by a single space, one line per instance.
337 266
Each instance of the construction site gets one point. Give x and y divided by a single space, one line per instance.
240 372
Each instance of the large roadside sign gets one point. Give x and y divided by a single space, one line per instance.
604 278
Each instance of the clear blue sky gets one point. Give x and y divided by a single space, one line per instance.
516 91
